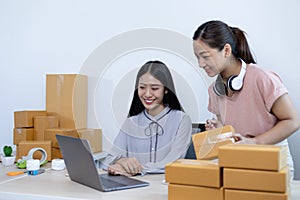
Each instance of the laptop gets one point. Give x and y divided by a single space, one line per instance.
82 168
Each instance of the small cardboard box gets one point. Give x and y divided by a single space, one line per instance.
50 134
207 143
25 146
180 192
193 172
261 157
56 153
23 134
254 195
24 119
94 136
66 95
259 180
41 123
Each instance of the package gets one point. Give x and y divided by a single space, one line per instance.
207 143
248 156
260 180
41 123
255 195
50 134
179 192
56 153
24 147
193 172
24 119
66 96
23 134
94 136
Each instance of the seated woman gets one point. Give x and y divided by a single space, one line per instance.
156 132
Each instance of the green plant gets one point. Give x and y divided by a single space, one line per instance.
7 150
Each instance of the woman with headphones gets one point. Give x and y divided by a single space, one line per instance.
156 132
251 99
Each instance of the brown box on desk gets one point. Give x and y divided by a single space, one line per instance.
24 147
41 123
260 180
24 119
94 136
50 134
230 194
56 153
66 95
207 143
23 134
180 192
261 157
193 172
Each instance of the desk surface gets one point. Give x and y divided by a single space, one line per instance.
56 185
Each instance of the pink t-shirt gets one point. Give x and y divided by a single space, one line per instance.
248 110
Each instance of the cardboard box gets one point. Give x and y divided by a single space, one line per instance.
259 180
56 153
207 143
94 136
23 134
50 134
254 195
180 192
24 119
24 147
66 95
41 123
261 157
193 172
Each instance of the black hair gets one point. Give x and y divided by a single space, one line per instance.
161 72
217 33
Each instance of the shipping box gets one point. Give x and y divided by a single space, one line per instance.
254 195
207 143
261 157
23 134
56 153
94 136
50 134
66 96
260 180
25 146
193 172
24 119
180 192
41 123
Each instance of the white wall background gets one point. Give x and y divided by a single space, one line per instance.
39 37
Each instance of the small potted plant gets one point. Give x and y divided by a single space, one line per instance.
7 157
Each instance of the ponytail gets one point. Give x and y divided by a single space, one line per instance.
242 47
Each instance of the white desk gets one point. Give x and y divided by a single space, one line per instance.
55 185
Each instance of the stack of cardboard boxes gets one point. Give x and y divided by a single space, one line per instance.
194 180
65 114
257 172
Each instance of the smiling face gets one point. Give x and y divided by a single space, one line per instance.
209 59
151 93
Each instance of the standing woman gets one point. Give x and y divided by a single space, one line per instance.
251 99
156 132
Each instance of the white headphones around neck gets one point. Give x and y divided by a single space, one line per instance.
234 82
